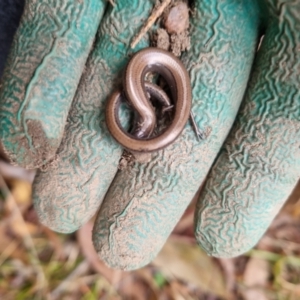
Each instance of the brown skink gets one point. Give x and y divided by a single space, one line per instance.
135 88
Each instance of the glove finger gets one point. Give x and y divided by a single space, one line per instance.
10 14
69 192
260 162
43 70
146 200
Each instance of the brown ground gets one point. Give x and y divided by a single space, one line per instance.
36 263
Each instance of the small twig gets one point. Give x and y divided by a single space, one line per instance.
112 2
156 13
198 132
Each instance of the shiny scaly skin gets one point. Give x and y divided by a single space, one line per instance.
164 63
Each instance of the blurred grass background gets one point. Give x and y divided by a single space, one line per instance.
37 263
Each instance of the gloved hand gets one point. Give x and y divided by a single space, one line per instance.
253 173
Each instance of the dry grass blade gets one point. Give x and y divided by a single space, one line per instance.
228 267
256 277
84 236
81 270
16 216
8 251
9 171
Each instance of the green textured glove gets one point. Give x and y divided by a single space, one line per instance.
254 172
